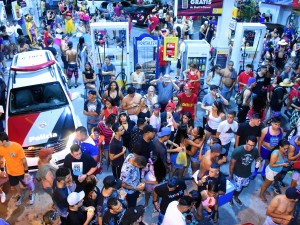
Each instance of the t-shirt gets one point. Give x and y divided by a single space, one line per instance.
102 202
243 78
89 147
227 131
115 148
161 61
105 131
93 107
244 159
112 219
155 22
130 174
220 181
13 155
165 92
59 198
79 166
260 81
143 148
173 215
169 196
160 150
246 130
76 217
188 103
46 38
278 94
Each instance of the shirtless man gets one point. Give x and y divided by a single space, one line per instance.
281 208
63 49
210 157
202 31
228 80
72 59
130 103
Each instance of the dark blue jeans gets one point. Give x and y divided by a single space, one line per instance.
132 199
160 218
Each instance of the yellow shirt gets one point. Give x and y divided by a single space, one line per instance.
13 155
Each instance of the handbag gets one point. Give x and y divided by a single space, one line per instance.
294 118
181 159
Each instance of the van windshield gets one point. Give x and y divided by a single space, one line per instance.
36 98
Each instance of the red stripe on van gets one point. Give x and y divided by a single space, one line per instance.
19 126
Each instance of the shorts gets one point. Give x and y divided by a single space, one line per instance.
270 174
240 182
64 60
209 129
14 180
265 153
178 66
72 68
269 221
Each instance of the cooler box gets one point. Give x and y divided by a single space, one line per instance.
223 199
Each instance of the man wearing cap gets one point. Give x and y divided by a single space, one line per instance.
144 146
209 99
109 190
278 96
130 103
210 157
81 164
137 133
51 48
244 76
76 214
188 101
155 119
72 60
63 49
246 99
108 69
168 192
130 176
261 81
165 86
281 208
92 109
46 172
240 166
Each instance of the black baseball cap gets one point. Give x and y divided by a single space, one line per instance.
111 181
92 92
173 182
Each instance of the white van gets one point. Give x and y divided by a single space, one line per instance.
39 112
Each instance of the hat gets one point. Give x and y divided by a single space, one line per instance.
213 87
111 181
217 148
92 92
64 36
251 81
165 131
49 41
132 214
170 104
292 193
166 78
188 86
70 44
149 128
286 83
50 216
282 42
45 152
115 127
173 182
156 106
75 197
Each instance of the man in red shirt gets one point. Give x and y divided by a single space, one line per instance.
154 21
188 101
244 76
161 62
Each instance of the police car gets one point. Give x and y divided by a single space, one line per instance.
39 111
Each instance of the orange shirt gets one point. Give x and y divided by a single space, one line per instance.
13 155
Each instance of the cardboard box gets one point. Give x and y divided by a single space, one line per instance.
223 199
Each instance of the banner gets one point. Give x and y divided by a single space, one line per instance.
199 7
170 48
296 4
279 2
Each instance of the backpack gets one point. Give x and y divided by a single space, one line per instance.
238 98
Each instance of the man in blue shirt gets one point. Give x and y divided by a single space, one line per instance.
108 70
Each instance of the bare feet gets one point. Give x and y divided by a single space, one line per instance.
263 199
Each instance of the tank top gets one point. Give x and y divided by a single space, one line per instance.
209 202
281 160
292 142
107 113
117 99
89 75
273 140
214 122
215 80
144 114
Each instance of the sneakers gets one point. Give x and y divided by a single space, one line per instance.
254 174
3 197
238 201
31 198
277 190
19 199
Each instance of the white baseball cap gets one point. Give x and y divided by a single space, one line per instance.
75 197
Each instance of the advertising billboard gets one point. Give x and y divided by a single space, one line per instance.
199 7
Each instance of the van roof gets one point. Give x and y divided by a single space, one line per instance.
32 58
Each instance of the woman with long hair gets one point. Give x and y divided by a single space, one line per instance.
89 78
143 110
193 76
214 77
277 162
209 204
109 108
178 107
187 119
215 116
128 126
151 97
114 92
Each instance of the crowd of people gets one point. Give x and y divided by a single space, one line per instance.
152 140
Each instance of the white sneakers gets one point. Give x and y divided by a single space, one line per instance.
3 197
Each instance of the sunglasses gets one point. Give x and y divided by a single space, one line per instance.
53 218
